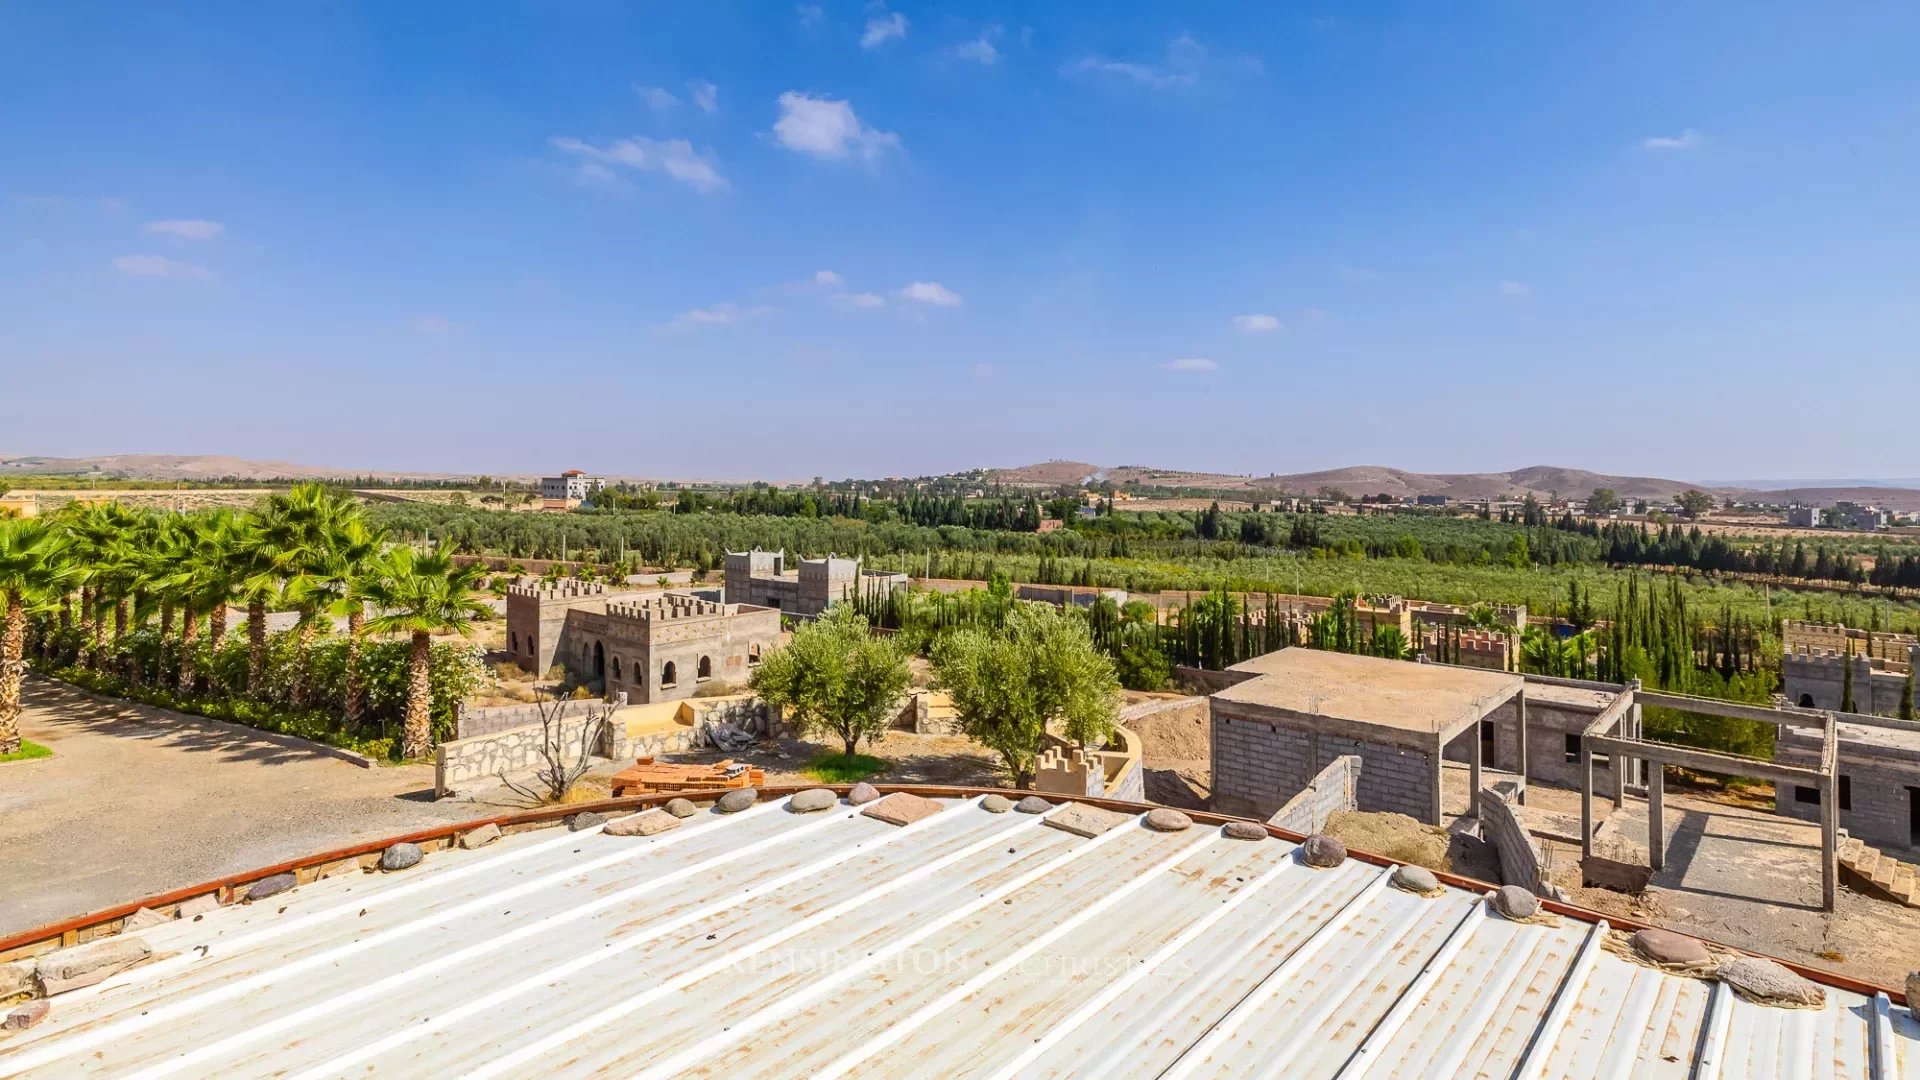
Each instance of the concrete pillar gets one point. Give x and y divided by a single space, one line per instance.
1586 799
1656 818
1829 843
1520 740
1618 767
1435 761
1473 772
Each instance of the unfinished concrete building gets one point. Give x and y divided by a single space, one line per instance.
1815 657
1293 712
761 578
650 645
1876 786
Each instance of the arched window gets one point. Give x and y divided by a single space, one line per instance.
599 660
669 675
705 670
1806 701
515 638
616 669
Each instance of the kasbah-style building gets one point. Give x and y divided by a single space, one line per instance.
663 646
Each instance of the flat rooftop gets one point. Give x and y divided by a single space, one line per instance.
1392 695
775 944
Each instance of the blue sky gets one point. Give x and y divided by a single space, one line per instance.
699 239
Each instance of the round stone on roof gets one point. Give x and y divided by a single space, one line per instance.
1323 851
585 819
813 800
1414 879
862 794
996 804
1033 804
737 800
1913 989
1769 983
1244 830
1515 902
400 856
1163 819
682 808
273 886
1667 947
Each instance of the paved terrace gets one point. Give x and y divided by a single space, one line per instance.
769 943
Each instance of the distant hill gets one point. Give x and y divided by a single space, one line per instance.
178 467
1540 481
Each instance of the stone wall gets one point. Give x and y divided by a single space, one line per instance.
1521 862
1332 790
1260 763
461 762
495 719
1819 682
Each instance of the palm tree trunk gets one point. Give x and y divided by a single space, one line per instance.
297 693
127 665
217 625
12 667
162 651
356 693
256 648
416 735
189 628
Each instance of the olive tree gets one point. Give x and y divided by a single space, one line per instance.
1040 673
836 678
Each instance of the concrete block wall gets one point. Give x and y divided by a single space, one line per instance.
1879 786
1548 726
1521 862
1260 763
1333 789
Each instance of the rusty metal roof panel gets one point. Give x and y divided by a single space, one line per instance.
770 944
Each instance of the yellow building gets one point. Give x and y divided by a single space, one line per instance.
25 506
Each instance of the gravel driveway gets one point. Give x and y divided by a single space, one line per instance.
136 801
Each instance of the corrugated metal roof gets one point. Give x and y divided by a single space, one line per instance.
769 944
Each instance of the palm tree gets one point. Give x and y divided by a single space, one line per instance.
302 526
422 594
92 532
352 557
33 574
206 578
258 556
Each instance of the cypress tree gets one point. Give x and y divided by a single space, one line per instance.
1906 696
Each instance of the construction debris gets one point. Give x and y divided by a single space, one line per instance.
647 775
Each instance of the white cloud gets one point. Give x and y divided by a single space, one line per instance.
706 96
656 97
185 229
1190 363
717 315
1182 65
931 292
1515 288
809 14
159 266
675 157
827 128
862 300
982 49
1686 140
1256 324
433 324
883 27
827 277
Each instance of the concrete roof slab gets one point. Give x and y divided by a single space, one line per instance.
1397 698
